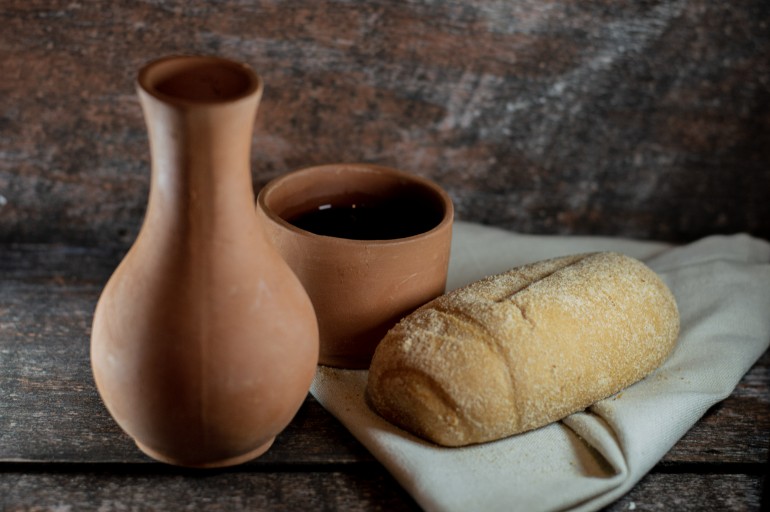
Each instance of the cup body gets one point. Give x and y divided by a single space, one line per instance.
359 288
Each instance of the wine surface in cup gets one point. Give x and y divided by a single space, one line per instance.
370 218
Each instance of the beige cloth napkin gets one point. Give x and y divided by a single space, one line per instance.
590 459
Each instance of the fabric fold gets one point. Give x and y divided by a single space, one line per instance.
593 457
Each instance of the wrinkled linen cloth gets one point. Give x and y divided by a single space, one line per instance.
593 457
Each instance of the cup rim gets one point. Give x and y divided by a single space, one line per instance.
446 202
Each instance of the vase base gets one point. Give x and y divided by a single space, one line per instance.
230 461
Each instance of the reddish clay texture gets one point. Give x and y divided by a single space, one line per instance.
204 343
359 288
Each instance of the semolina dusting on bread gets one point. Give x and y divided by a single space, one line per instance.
519 350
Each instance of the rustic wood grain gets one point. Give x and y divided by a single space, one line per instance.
690 492
105 490
59 449
369 488
47 297
648 119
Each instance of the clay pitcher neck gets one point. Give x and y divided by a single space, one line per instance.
200 114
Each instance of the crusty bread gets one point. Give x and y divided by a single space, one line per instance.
522 349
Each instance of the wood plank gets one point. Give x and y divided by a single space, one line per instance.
691 492
361 487
50 412
57 265
47 295
111 488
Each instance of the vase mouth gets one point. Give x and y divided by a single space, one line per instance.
198 80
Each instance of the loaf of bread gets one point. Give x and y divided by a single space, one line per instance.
519 350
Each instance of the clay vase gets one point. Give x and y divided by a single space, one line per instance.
204 343
360 286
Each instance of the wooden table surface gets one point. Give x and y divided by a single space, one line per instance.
60 450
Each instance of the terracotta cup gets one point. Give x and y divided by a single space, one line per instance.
359 287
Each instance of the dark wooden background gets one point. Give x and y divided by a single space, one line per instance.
648 119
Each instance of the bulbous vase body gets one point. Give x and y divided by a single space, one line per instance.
204 343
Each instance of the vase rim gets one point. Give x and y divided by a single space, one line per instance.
198 80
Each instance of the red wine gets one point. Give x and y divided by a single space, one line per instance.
371 219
